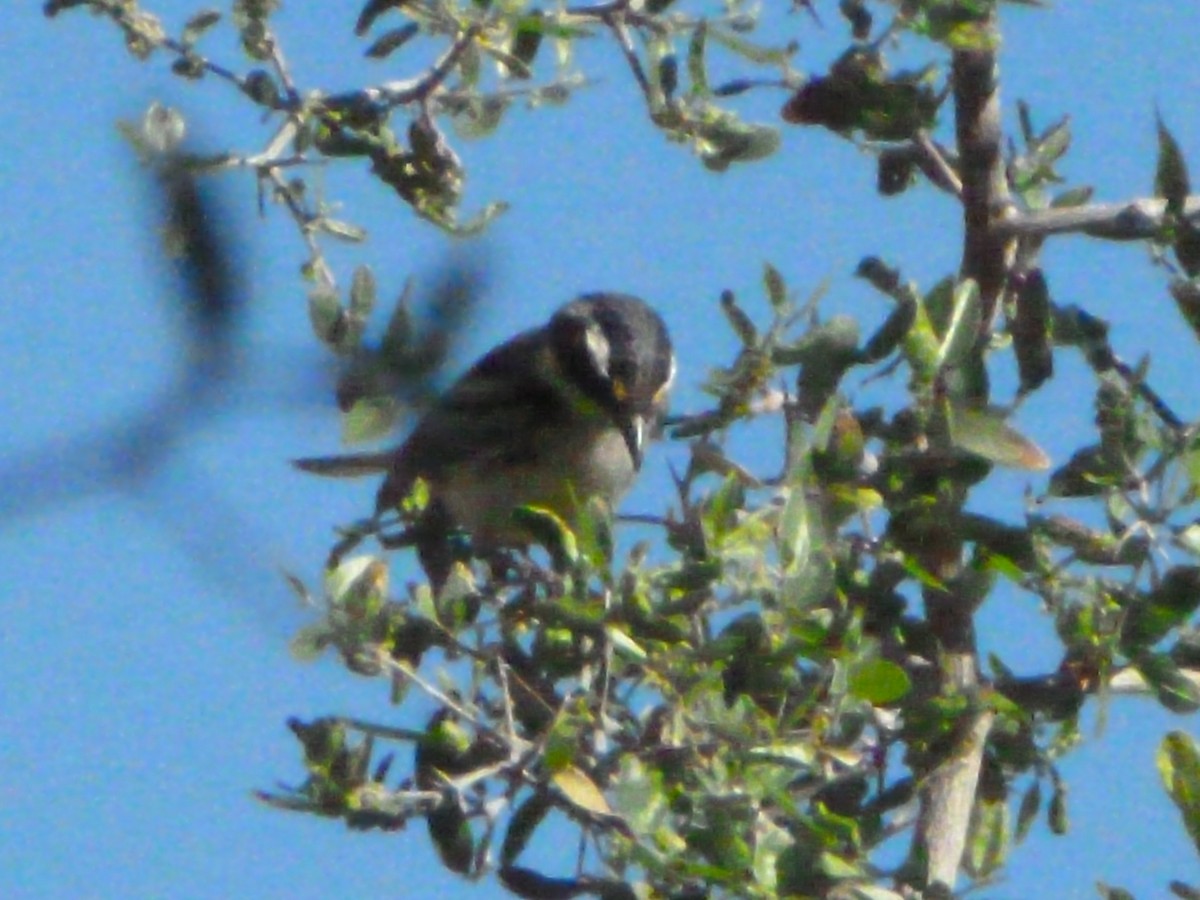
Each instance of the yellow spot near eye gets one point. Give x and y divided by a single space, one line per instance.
619 390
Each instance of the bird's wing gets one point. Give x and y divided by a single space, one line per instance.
488 416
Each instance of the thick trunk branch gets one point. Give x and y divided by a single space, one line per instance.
949 780
947 798
986 252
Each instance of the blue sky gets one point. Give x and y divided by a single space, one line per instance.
144 664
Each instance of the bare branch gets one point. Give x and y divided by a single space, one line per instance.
621 33
1135 220
947 797
398 93
987 252
934 164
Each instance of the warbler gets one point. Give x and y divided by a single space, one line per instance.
550 418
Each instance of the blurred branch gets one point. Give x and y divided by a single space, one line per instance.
125 454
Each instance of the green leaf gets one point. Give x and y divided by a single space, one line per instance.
1178 761
1076 196
368 419
795 537
198 24
921 346
624 645
358 584
310 642
962 332
345 231
728 140
751 51
1167 607
988 844
551 532
878 681
1173 688
526 41
985 433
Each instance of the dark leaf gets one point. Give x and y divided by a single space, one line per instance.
198 24
1170 175
1030 329
533 885
526 40
697 71
451 835
1031 802
856 13
1167 607
372 11
392 40
524 822
1174 689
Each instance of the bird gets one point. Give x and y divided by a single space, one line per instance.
551 418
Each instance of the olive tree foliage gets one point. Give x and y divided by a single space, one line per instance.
791 678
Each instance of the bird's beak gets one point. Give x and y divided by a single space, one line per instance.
634 432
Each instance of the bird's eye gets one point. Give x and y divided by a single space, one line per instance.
620 391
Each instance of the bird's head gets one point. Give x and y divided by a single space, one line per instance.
616 351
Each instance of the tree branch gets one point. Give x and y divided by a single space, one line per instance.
947 798
1134 220
986 251
949 780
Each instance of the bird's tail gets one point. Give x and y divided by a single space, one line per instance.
353 465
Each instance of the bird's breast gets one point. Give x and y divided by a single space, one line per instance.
566 468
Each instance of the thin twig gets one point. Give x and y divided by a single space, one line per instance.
398 93
941 173
617 24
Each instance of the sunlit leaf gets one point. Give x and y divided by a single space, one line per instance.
987 434
581 791
962 332
878 681
1178 761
